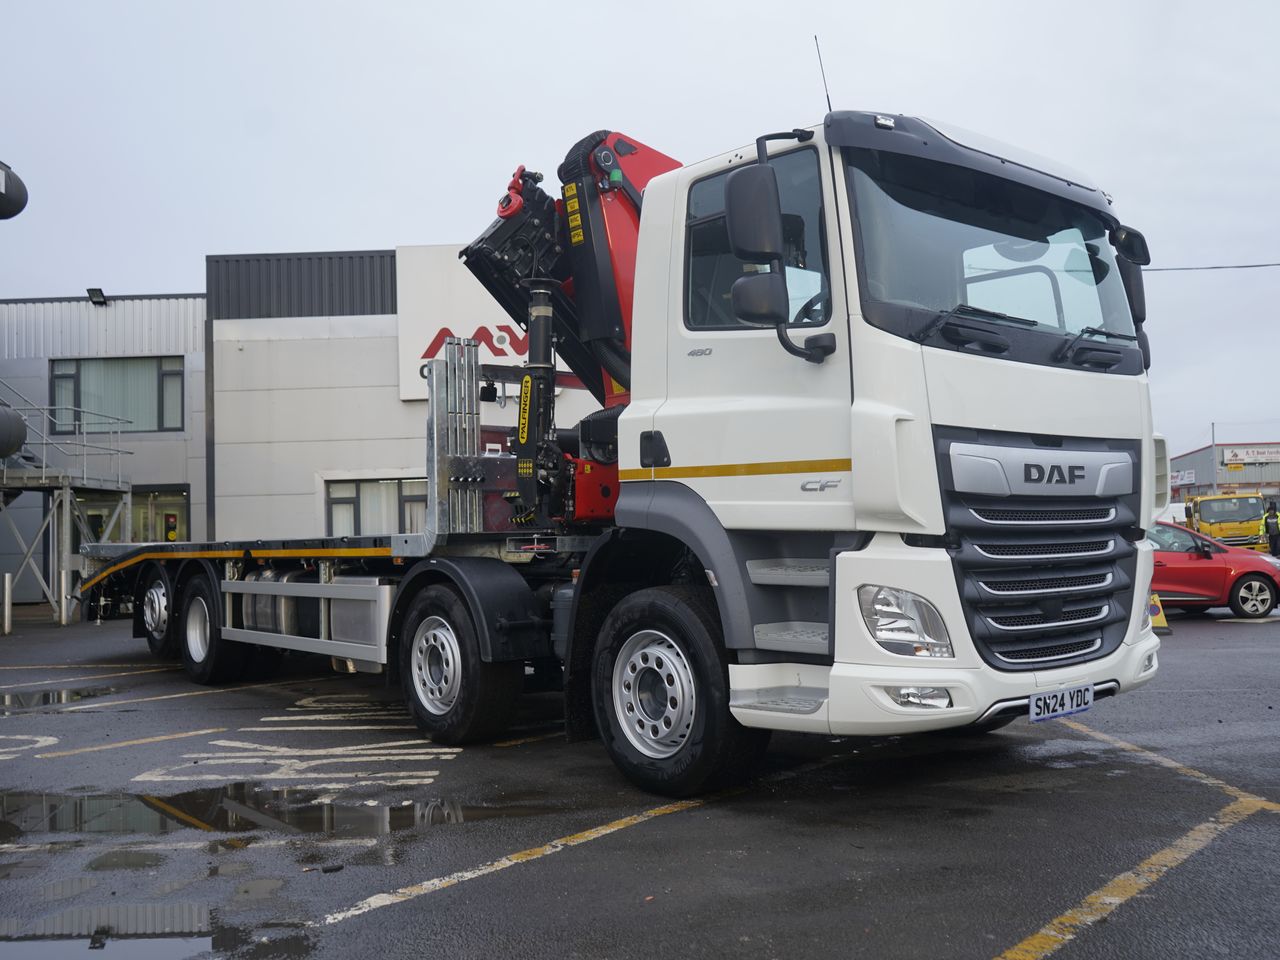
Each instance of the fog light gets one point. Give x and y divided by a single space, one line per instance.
1149 663
903 622
930 698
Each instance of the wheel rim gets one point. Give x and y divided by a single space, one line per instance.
654 696
1255 597
436 665
155 610
198 630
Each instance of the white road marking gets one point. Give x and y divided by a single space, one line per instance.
23 744
275 762
99 704
95 676
60 845
398 726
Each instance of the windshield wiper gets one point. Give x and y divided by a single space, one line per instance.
1068 348
981 313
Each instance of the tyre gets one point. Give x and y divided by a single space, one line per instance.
453 695
1253 596
206 656
155 600
660 688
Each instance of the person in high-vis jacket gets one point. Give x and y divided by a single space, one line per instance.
1270 528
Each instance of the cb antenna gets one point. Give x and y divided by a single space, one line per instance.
825 88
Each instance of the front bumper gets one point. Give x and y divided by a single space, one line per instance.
851 691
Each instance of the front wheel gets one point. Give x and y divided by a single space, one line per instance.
660 686
1253 596
454 695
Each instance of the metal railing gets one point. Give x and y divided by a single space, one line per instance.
74 446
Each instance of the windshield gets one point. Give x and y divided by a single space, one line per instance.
1231 509
934 236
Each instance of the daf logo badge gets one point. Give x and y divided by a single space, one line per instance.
1053 473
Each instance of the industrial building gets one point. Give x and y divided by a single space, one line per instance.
288 401
1226 468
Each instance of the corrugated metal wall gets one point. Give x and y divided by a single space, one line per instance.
353 283
125 327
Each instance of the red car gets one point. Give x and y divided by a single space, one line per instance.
1195 572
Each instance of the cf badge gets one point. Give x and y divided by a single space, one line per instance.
817 486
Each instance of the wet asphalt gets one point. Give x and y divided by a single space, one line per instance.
144 817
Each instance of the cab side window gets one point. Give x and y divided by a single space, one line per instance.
711 268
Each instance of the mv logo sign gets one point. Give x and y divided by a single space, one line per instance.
1052 473
499 341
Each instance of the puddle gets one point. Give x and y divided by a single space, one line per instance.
258 889
142 931
15 703
126 860
19 870
228 869
234 808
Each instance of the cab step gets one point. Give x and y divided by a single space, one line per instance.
792 636
790 572
800 701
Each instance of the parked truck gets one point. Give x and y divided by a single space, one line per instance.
1233 518
874 455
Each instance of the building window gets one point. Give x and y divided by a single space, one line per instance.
95 396
367 508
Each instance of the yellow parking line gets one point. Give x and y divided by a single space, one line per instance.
96 704
1172 764
511 860
1097 905
128 743
95 676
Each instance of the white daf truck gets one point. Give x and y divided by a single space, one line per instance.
874 456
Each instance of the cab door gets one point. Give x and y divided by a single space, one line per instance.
761 435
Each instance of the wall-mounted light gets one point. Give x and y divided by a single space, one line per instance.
97 297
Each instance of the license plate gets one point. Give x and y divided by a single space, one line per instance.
1061 703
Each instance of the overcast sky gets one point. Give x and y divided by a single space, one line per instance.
150 134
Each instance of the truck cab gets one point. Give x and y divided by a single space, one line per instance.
1233 518
943 515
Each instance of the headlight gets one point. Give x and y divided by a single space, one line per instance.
1146 617
903 622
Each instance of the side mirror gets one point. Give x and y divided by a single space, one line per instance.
1131 277
13 193
1205 547
1131 245
753 214
760 298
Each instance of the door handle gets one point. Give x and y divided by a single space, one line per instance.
1161 563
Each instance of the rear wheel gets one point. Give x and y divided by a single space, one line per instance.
454 696
155 598
1253 596
660 686
206 656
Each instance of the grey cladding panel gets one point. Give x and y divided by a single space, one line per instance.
249 286
1004 471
